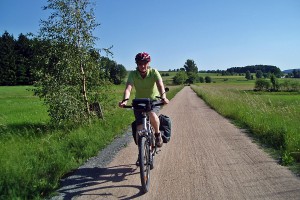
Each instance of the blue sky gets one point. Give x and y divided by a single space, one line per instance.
216 34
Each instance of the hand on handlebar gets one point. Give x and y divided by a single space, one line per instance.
123 103
165 100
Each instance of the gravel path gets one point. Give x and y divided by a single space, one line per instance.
207 158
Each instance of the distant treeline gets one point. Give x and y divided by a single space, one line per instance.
16 60
19 61
265 69
254 68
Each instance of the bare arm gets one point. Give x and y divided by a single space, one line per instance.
162 92
126 95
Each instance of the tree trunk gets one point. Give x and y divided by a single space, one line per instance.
84 94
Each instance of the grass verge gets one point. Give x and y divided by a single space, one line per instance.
271 118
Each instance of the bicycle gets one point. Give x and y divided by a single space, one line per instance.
146 140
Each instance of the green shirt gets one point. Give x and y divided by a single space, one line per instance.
145 87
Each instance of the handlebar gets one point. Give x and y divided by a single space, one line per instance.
152 104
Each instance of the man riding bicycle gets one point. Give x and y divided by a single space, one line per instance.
148 84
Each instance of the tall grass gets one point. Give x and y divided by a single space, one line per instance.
273 118
35 156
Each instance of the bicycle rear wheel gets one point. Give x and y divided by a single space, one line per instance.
144 159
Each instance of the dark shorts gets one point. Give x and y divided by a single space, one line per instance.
139 117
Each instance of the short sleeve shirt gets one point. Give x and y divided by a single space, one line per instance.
145 87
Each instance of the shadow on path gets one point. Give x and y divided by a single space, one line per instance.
97 180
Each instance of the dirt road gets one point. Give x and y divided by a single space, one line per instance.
207 158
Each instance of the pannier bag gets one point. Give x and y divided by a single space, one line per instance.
165 127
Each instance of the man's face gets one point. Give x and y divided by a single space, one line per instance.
143 66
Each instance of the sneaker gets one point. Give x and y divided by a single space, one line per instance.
158 140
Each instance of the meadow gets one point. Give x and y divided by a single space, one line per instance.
34 156
270 117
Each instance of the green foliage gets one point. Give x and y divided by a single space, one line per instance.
291 86
69 76
8 66
114 72
192 77
254 68
180 78
275 83
287 159
201 79
248 75
190 66
296 73
17 63
208 79
259 74
261 85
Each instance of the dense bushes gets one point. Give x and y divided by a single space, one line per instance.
274 85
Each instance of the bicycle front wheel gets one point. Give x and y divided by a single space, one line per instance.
144 159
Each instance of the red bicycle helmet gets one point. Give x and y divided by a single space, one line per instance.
143 56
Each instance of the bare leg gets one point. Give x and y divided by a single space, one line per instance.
154 120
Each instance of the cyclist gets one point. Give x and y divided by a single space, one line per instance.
148 84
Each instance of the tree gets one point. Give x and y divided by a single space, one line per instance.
207 79
192 77
117 74
24 60
248 75
296 73
69 79
180 78
259 74
275 84
201 79
190 66
7 60
253 68
261 84
112 71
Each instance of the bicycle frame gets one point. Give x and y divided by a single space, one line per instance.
147 147
147 131
146 144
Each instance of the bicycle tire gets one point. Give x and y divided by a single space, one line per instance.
144 159
153 148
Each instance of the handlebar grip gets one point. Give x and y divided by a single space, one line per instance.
124 100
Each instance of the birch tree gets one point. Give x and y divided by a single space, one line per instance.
69 75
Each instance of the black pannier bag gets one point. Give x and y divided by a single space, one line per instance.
165 127
143 104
